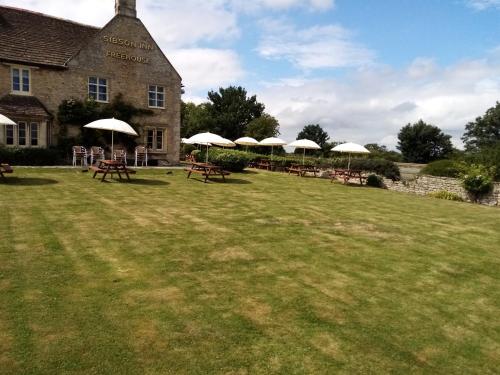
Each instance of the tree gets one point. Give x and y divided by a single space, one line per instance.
484 132
376 148
230 111
314 132
382 152
262 127
194 119
423 143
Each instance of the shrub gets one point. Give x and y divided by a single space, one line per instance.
230 160
444 168
443 194
31 156
477 181
374 181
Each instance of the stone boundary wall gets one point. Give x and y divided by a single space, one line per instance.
425 184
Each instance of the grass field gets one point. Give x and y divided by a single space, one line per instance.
266 274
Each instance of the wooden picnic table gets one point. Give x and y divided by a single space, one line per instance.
265 164
110 167
301 169
206 170
5 168
347 174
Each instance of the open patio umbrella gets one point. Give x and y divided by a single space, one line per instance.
207 139
350 148
4 120
227 143
272 142
114 125
306 144
247 141
185 141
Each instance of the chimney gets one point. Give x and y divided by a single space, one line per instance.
125 8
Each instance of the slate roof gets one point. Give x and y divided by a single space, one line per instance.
38 39
22 106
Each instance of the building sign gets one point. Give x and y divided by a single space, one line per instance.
132 44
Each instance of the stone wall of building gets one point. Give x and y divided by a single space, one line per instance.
126 55
424 185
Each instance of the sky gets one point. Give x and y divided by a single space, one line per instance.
361 69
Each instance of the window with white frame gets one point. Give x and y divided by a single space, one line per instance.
21 80
34 130
98 89
156 95
21 133
9 135
155 139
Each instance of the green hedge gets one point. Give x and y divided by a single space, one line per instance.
230 160
31 156
444 168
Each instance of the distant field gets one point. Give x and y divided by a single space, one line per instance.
410 170
266 274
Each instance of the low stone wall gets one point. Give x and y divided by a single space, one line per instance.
423 185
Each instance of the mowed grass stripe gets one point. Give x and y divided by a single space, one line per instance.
268 273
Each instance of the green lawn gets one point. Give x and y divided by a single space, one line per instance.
265 274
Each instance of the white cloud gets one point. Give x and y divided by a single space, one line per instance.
377 102
258 5
329 46
204 68
483 4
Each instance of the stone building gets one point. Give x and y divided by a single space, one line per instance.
45 60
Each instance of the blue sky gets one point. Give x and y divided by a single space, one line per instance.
360 68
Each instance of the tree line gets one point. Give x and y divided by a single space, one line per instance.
232 113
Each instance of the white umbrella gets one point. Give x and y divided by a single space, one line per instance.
226 143
114 125
350 148
247 141
185 141
305 144
4 120
272 142
207 139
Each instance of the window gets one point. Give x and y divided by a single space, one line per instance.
156 96
21 133
150 138
34 133
21 78
98 89
159 139
154 139
9 134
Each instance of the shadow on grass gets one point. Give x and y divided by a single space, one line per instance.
143 181
27 181
232 181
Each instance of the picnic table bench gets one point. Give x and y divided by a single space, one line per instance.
265 164
110 167
347 174
301 169
206 170
4 169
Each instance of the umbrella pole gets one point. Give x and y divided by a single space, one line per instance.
349 163
112 143
304 157
272 147
207 155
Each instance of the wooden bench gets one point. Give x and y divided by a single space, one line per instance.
4 169
99 169
301 170
346 175
206 170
